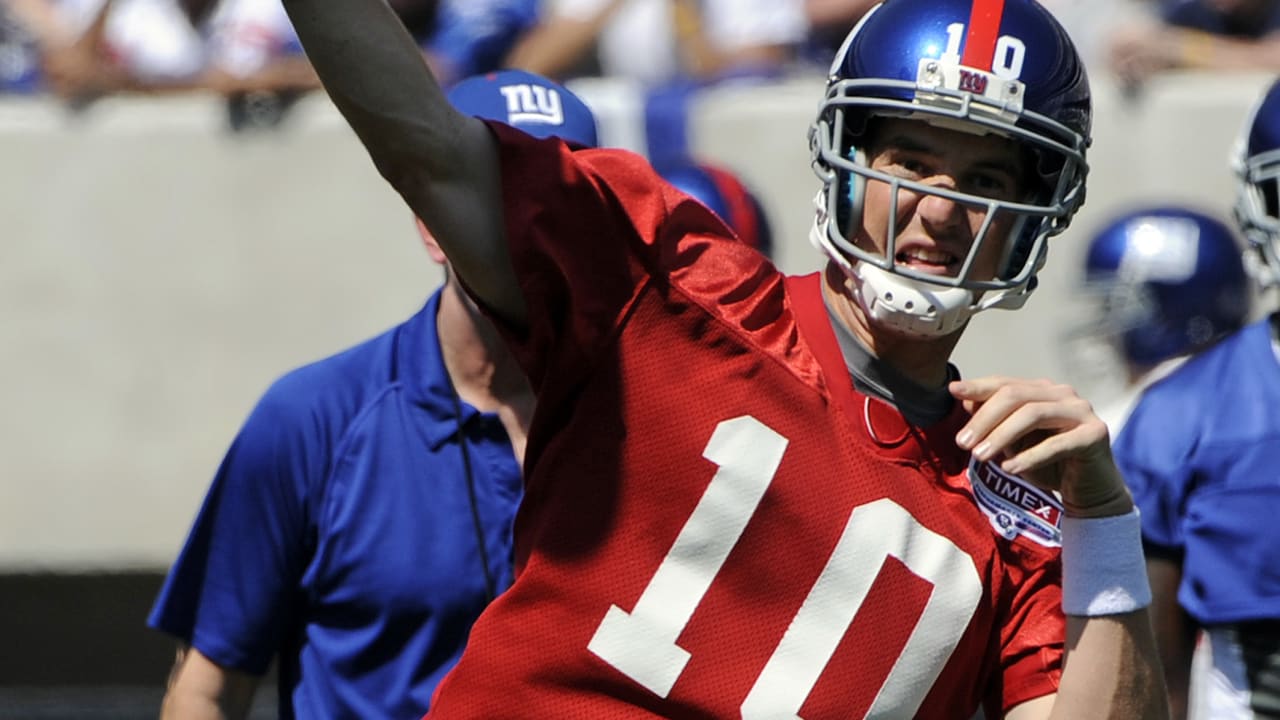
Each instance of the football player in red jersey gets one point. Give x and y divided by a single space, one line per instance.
759 496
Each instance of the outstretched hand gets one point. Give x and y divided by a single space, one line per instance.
1047 434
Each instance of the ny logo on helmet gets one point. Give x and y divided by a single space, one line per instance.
973 82
532 103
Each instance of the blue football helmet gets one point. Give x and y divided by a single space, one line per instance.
529 102
726 196
1257 167
1002 67
1165 281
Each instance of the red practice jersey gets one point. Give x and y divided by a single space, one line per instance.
716 524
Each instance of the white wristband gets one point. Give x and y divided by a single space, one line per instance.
1103 568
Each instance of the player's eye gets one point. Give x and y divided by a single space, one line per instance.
990 185
907 167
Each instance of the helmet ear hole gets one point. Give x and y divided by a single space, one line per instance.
1257 168
1022 239
850 194
1271 197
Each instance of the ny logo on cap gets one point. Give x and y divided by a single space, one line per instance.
532 103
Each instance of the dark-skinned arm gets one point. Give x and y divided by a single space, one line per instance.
1175 630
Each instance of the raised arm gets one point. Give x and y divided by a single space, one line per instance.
443 163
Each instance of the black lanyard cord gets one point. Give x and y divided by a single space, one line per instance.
491 590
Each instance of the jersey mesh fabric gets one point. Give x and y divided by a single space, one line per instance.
667 358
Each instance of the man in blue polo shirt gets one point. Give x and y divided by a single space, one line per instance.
361 519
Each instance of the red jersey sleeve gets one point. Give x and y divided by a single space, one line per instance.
588 230
1032 636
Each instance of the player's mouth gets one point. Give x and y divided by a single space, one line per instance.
934 260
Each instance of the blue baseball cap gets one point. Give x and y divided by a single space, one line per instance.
529 102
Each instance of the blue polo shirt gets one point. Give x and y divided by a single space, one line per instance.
338 533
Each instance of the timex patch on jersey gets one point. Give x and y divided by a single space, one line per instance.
1015 506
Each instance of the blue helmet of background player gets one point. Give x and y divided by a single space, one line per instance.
1001 67
529 102
726 196
1167 281
1257 166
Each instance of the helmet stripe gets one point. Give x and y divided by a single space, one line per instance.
984 28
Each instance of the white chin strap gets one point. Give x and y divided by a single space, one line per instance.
908 307
902 305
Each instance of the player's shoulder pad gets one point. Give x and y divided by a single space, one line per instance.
1015 506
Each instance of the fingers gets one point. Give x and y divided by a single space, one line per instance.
1047 434
1051 448
1031 423
982 388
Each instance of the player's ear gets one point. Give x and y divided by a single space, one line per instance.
429 240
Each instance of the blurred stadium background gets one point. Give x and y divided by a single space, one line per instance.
160 271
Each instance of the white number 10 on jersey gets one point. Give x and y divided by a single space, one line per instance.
642 643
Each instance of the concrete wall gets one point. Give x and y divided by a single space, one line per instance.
157 273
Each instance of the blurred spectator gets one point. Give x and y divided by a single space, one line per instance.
254 46
829 23
20 43
255 57
474 36
1161 283
726 196
670 49
1199 34
655 41
1090 24
244 49
80 49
